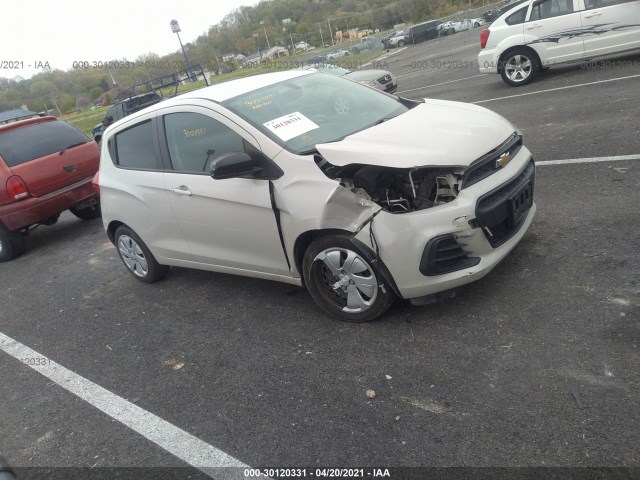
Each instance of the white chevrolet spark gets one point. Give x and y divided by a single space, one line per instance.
316 180
537 34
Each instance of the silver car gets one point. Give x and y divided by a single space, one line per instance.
315 180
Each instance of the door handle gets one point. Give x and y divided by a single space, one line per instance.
69 168
182 190
593 14
535 25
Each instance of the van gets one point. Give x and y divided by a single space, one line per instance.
423 31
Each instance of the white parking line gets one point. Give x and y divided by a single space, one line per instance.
588 160
557 89
174 440
443 83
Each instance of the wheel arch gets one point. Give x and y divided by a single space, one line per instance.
305 239
506 52
111 230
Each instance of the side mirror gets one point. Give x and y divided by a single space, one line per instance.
235 165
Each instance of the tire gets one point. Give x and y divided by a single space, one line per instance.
341 280
355 50
137 258
519 67
11 244
451 31
87 213
400 44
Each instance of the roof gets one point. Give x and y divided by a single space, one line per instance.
16 114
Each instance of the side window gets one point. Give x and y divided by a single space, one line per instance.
195 141
517 17
550 8
591 4
134 147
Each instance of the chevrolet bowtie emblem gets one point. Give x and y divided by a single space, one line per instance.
503 160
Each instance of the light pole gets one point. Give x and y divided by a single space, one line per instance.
175 28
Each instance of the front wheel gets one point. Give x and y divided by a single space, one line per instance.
519 67
342 281
400 44
137 257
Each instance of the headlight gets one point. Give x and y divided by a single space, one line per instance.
369 83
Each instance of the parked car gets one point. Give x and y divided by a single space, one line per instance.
316 59
380 79
337 54
396 39
367 44
454 26
423 31
123 108
311 179
46 167
541 33
478 22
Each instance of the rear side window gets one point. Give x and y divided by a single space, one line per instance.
134 147
517 17
591 4
551 8
35 141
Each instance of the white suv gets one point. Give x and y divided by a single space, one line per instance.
312 179
540 33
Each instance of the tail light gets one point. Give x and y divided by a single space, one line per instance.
96 183
16 188
484 36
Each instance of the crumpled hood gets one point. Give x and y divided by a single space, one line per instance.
435 133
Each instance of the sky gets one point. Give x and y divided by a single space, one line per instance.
61 32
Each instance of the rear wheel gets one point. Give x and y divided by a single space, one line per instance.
342 281
519 67
137 257
87 213
11 244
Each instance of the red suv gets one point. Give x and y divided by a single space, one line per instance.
46 167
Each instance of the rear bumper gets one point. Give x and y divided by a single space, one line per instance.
21 214
487 61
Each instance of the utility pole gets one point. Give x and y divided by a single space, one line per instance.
330 32
265 35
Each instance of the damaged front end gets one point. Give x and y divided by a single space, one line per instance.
397 190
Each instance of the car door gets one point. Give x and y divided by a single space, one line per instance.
553 29
230 224
610 26
132 189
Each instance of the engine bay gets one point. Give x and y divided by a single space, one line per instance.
397 190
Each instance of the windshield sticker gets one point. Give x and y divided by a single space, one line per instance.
290 126
260 102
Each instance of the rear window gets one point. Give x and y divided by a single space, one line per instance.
38 140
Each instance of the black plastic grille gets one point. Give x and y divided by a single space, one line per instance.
384 79
444 254
487 164
502 212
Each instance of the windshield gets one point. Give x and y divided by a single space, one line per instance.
318 108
